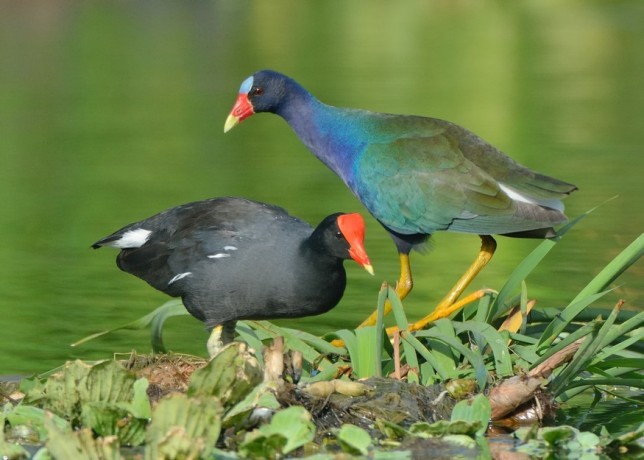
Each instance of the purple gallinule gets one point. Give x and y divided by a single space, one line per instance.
233 258
415 175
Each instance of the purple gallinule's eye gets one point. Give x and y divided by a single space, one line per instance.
418 175
257 91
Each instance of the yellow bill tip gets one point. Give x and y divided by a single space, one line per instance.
231 122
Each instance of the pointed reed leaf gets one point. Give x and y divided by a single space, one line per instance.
402 323
527 265
572 392
586 352
624 344
624 328
559 323
614 269
496 341
158 320
525 353
475 359
448 357
635 363
576 335
443 373
291 340
616 381
381 334
519 274
316 342
583 355
367 356
174 306
350 343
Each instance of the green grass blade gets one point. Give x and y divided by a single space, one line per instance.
381 334
561 321
292 341
366 360
447 357
617 381
518 275
316 342
496 341
585 355
615 349
614 269
525 268
475 359
443 373
158 320
622 329
403 324
592 291
576 335
170 308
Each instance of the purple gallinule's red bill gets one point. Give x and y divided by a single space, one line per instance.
232 258
415 175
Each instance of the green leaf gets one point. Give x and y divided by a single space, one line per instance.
168 309
498 344
35 418
475 359
381 334
230 375
566 316
288 430
614 269
64 443
353 439
183 427
403 324
476 409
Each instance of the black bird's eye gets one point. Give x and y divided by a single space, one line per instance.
338 235
258 91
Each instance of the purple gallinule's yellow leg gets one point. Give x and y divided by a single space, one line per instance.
403 287
448 304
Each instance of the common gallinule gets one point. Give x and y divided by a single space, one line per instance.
232 258
416 175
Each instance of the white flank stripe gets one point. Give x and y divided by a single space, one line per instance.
132 239
178 277
218 256
230 248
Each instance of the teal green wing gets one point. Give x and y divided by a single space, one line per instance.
416 184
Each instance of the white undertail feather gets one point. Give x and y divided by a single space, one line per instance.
132 239
552 203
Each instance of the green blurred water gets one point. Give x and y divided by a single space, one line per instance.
112 111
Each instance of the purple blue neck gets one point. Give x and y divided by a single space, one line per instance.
332 137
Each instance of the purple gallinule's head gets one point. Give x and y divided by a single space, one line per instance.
416 175
232 258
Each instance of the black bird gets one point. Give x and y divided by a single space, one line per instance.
232 258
